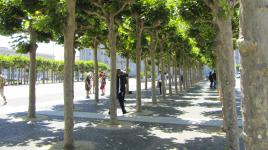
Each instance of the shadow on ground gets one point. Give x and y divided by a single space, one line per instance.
147 136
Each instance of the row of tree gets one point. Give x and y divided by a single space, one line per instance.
48 70
178 34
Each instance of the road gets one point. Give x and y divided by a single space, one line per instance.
47 95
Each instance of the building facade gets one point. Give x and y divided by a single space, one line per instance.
9 52
87 54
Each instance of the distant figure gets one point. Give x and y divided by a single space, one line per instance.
214 79
181 79
88 84
92 83
159 83
2 85
102 82
121 82
166 78
210 78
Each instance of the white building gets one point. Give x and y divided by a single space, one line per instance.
8 52
87 54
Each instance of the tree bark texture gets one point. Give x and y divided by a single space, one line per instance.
163 85
112 42
180 81
127 71
146 74
69 32
254 79
154 43
175 76
169 79
226 76
139 28
96 71
32 76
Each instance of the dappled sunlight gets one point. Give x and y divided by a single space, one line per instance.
196 113
182 136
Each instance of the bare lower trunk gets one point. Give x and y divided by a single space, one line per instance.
169 80
112 41
127 71
138 64
153 48
145 72
32 77
96 72
180 81
175 76
163 81
44 76
163 87
69 32
254 79
184 77
227 79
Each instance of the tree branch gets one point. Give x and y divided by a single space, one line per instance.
122 8
156 24
97 4
94 13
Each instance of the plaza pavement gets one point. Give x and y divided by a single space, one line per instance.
190 120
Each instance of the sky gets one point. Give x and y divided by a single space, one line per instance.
45 48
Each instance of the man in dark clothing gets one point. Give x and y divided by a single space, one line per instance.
214 79
210 79
121 81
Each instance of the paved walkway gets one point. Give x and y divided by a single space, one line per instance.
188 121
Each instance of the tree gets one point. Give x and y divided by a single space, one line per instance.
157 16
221 10
93 36
68 33
253 50
109 12
25 17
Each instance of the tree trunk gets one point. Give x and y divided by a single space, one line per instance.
112 40
169 79
127 71
163 85
180 81
44 76
175 76
32 77
96 71
154 43
69 32
184 77
139 28
227 79
145 72
254 79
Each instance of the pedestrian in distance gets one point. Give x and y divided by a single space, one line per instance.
210 78
88 84
2 85
214 79
121 82
102 82
159 83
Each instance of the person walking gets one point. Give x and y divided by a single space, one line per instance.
121 88
210 78
102 82
214 79
159 83
88 84
2 85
